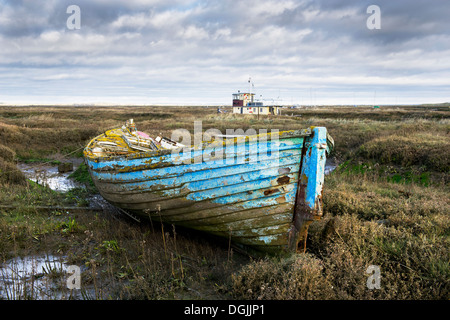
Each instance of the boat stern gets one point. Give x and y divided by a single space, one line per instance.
308 203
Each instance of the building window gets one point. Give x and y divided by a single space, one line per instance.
260 110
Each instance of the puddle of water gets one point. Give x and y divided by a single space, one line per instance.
40 277
330 165
48 175
33 277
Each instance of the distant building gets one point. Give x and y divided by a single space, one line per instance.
259 109
243 103
242 99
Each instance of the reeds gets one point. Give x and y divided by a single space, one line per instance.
33 278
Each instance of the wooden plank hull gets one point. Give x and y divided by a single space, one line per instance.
244 189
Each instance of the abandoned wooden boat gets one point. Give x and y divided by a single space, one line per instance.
261 191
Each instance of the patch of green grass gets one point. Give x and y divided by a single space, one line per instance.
390 173
110 246
411 177
69 226
77 196
81 174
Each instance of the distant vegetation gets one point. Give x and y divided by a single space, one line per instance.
386 204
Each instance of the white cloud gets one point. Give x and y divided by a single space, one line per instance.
267 8
51 36
194 33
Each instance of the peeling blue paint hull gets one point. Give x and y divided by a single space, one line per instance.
261 193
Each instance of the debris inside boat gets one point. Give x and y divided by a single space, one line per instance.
126 140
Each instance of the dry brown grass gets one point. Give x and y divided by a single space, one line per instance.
424 149
9 173
299 277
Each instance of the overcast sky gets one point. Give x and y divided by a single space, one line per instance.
200 52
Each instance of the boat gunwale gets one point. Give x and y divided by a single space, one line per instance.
286 134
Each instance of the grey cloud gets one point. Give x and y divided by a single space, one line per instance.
163 44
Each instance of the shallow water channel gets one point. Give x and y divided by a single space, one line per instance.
48 175
330 165
44 276
36 277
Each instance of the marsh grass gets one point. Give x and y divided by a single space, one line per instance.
424 149
299 277
386 205
401 228
9 173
